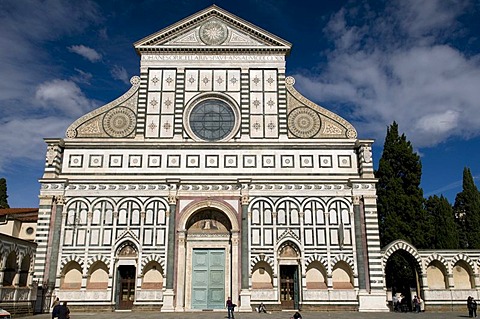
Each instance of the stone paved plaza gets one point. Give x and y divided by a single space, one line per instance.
274 315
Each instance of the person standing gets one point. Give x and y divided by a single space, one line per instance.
422 304
474 307
469 306
395 302
56 307
56 302
63 311
416 304
230 308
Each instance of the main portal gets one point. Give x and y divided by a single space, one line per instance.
208 279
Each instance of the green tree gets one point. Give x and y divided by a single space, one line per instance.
3 193
443 221
400 199
467 212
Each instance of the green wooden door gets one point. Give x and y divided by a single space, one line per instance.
208 279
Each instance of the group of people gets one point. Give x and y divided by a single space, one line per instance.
417 304
471 306
60 311
400 303
260 309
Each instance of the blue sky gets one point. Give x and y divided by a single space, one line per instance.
372 62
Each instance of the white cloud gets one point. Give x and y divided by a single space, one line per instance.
28 142
82 77
29 29
63 96
395 66
119 73
88 53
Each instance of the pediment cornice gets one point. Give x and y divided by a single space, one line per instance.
226 31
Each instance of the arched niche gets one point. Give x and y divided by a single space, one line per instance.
462 276
24 270
262 276
98 276
316 276
437 275
10 269
342 276
208 220
71 276
152 276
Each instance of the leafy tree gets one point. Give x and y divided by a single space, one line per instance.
400 272
3 193
443 220
467 212
400 198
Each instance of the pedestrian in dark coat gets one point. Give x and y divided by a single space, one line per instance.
55 310
63 311
474 307
469 306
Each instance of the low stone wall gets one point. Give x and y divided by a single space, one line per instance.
18 301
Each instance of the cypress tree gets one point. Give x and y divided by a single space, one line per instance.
400 199
445 234
467 212
3 193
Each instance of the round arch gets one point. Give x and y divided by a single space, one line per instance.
193 208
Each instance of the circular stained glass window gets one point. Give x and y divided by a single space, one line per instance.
212 120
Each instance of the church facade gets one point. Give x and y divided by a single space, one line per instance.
211 177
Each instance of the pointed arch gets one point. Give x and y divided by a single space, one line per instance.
293 243
321 259
96 258
262 275
75 258
347 259
466 259
437 257
256 259
126 238
156 258
401 245
71 273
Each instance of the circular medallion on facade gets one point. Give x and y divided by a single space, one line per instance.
71 133
289 80
304 122
119 122
135 80
213 32
212 120
351 133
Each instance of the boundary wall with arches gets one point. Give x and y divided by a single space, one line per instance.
446 278
18 291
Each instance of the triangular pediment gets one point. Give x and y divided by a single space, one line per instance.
212 29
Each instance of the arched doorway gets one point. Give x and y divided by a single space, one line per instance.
402 279
126 275
290 274
207 259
